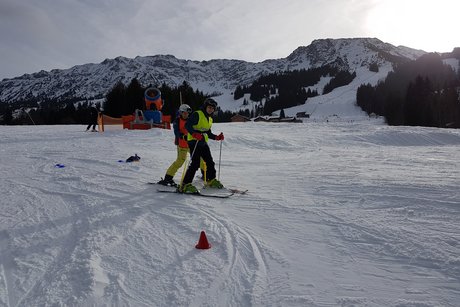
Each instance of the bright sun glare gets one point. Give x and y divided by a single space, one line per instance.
420 24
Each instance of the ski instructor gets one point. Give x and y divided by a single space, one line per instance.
199 131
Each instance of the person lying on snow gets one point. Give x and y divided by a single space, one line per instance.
199 131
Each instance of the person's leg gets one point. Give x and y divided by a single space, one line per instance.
208 160
211 180
195 163
203 169
181 156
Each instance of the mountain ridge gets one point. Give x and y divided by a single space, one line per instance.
90 81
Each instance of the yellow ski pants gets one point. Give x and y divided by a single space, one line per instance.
181 157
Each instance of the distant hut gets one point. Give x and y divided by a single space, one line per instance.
238 118
302 115
290 120
260 119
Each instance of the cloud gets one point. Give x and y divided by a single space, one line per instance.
49 34
44 34
428 25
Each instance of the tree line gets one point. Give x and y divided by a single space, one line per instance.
124 100
280 90
45 112
120 100
424 92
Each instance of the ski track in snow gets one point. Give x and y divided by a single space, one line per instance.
341 213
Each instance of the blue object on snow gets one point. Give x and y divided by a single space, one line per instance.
59 165
154 116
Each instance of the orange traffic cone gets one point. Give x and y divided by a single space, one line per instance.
203 242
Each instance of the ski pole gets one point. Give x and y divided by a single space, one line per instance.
183 173
29 116
205 169
193 152
220 158
185 169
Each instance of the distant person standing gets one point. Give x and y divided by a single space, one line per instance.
93 113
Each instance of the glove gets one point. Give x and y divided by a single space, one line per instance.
197 136
220 137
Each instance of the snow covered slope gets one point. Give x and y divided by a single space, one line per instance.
337 214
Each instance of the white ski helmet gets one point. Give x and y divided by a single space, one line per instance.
185 108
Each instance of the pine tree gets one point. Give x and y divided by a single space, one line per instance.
134 97
115 101
282 115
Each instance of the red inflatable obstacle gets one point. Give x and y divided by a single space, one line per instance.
203 242
152 98
143 120
151 117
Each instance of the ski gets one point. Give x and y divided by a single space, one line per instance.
238 191
161 185
221 194
205 192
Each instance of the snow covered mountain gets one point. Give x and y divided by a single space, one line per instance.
95 80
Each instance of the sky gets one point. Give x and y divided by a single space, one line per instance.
49 34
